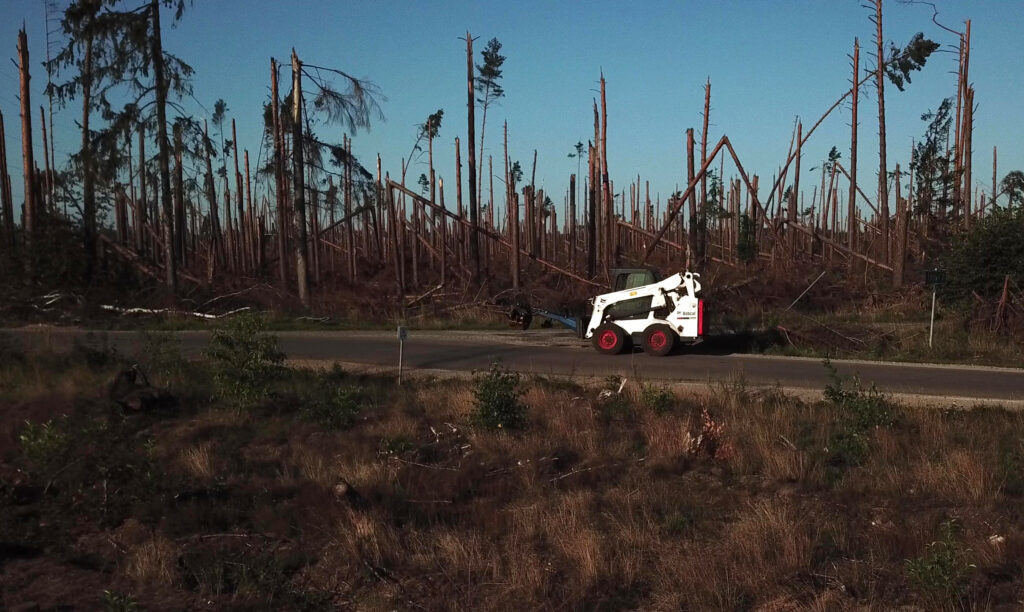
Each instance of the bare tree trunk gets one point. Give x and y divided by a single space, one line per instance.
179 200
851 238
795 194
592 216
474 245
460 245
512 216
47 202
170 267
571 221
28 164
883 179
442 237
902 218
6 206
967 155
350 236
88 179
994 163
608 200
279 179
298 184
691 246
242 245
703 237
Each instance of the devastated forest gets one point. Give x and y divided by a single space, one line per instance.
160 211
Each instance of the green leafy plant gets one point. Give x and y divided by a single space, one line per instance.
942 573
861 411
119 602
45 444
657 398
163 357
247 359
339 410
497 396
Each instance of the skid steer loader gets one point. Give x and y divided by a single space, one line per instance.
641 309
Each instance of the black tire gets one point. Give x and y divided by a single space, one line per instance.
659 340
610 339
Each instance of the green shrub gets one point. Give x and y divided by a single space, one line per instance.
981 258
497 396
657 398
161 355
339 410
119 602
246 359
45 445
942 573
861 411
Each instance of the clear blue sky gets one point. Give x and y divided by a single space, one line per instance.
768 63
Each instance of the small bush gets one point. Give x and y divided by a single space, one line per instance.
497 396
119 602
942 573
657 398
162 355
45 444
247 359
861 411
338 411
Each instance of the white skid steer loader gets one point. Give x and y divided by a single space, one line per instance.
657 314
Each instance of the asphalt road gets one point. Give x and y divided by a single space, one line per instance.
555 352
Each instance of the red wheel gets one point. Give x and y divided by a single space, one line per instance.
610 339
659 340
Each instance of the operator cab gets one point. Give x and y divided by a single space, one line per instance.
631 278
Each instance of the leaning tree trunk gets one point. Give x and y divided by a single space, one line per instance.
298 183
165 153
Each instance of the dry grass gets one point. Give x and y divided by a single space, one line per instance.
153 562
596 504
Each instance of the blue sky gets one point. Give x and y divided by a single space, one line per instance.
768 62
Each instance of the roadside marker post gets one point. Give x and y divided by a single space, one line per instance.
403 333
934 278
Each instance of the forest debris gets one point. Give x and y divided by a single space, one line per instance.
200 315
131 390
